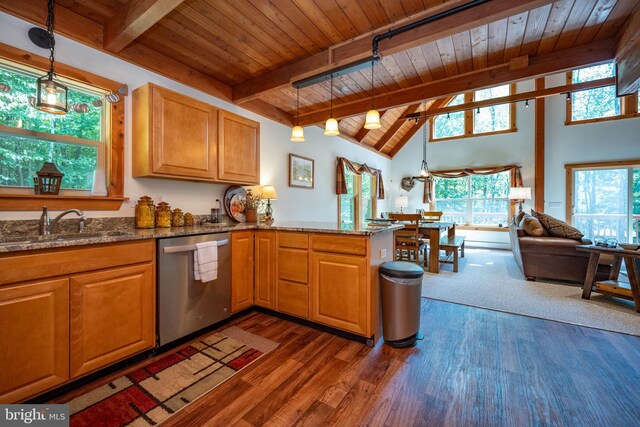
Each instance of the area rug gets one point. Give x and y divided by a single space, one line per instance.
151 394
492 279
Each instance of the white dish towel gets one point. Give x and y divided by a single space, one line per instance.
205 261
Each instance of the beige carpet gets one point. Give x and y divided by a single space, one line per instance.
491 279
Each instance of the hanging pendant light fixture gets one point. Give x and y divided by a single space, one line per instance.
297 133
424 168
372 120
331 127
52 95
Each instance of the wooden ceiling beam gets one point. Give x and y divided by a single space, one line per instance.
550 63
435 104
360 47
133 20
531 95
395 127
628 56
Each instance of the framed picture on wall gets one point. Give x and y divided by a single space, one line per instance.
300 171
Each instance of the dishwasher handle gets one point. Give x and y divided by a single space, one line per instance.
187 248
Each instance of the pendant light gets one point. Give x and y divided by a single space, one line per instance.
424 168
297 133
52 95
372 120
331 127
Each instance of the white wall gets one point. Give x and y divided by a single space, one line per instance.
319 204
592 142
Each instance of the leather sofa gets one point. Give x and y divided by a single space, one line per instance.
553 257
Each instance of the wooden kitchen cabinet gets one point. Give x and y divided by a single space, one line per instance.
265 268
112 316
68 311
292 288
340 292
238 149
34 338
242 265
174 136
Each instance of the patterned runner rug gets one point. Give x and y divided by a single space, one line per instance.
153 392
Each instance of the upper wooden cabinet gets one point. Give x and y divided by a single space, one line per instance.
174 136
178 137
238 149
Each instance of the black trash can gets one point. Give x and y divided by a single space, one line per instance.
401 289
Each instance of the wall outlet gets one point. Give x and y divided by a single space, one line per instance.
383 253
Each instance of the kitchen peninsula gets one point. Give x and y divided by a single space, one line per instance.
76 296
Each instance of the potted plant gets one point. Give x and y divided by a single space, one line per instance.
253 202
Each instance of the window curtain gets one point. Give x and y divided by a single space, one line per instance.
428 192
341 182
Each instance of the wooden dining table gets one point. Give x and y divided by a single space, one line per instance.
434 230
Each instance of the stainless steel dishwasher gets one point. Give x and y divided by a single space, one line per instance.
186 305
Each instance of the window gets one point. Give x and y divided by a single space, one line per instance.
360 201
75 142
479 200
600 103
89 137
605 199
483 121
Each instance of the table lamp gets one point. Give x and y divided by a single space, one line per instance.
520 194
269 193
402 202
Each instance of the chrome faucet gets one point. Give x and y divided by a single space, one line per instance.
47 224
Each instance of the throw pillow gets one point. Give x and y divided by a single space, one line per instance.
557 228
531 226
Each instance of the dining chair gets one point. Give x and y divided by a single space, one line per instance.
408 239
431 215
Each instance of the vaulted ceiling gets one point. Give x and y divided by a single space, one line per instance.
250 51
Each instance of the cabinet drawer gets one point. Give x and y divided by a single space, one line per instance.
293 240
293 298
33 265
293 265
339 244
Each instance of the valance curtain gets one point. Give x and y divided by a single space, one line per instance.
516 177
341 182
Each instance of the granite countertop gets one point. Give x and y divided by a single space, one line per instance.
27 240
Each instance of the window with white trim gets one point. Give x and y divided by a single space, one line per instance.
360 201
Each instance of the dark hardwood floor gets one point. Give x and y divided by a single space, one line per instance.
475 367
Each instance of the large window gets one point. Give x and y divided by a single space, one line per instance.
482 121
360 201
75 142
479 200
600 103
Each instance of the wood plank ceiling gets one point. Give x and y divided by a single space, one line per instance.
237 47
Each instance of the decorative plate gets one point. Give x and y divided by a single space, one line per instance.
234 202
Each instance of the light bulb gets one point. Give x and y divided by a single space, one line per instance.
331 127
297 134
372 120
51 98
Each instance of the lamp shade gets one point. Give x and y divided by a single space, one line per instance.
297 134
402 202
520 193
269 192
331 127
372 120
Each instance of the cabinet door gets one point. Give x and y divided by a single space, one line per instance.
183 136
265 269
242 261
238 149
112 316
339 292
34 338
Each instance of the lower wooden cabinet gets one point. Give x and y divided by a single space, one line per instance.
112 316
265 269
293 298
34 338
242 264
340 291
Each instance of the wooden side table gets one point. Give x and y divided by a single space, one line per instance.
612 286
